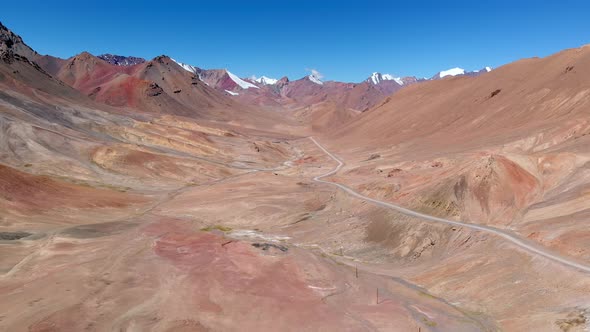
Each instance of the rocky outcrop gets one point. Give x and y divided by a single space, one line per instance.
120 60
11 41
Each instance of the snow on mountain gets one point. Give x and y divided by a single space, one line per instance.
243 84
315 79
376 78
461 72
265 80
232 93
186 67
451 72
485 70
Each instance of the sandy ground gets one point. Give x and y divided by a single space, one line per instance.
140 212
185 260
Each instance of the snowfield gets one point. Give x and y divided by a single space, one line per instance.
186 67
243 84
266 80
452 72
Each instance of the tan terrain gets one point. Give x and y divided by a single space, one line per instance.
163 211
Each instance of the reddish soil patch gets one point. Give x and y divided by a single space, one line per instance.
306 160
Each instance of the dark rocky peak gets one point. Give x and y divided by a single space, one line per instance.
162 59
282 82
120 60
11 41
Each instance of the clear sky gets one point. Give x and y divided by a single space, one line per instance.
344 40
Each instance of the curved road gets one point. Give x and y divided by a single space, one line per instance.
524 244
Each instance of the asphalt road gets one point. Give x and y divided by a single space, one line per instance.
528 246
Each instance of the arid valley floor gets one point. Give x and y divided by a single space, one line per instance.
141 198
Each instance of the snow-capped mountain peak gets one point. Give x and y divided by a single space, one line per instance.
186 67
265 80
243 84
484 70
451 72
376 78
461 72
315 79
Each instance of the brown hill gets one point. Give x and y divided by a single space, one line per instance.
130 204
158 86
516 100
503 148
161 86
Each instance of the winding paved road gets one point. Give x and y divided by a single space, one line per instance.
524 244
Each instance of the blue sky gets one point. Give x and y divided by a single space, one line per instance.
343 40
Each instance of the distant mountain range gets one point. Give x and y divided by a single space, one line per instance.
311 89
225 80
122 80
